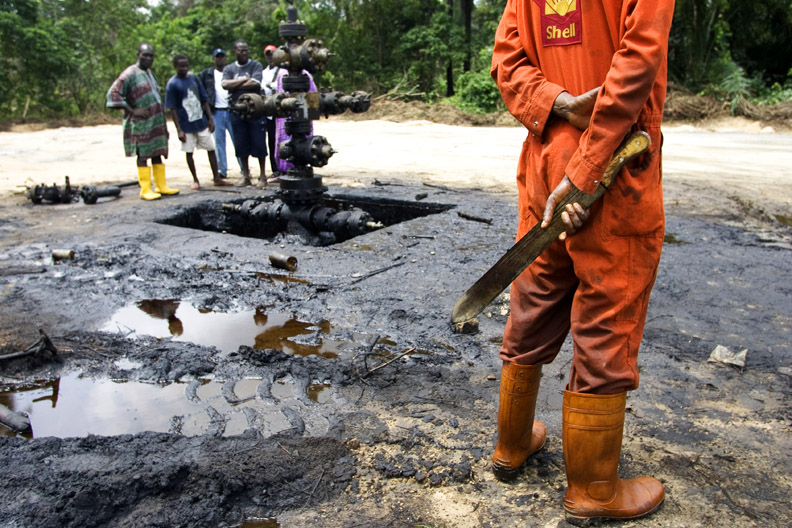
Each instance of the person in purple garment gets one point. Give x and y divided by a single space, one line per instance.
280 123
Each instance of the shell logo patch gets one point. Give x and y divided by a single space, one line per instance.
562 22
559 7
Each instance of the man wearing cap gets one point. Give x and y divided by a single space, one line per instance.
212 80
270 85
250 137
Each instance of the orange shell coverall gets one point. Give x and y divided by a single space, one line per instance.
596 282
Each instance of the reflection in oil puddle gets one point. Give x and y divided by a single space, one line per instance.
226 331
280 278
72 406
318 393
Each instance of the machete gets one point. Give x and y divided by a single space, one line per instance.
535 241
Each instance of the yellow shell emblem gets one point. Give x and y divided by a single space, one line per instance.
559 7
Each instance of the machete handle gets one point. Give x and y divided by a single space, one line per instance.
632 147
535 241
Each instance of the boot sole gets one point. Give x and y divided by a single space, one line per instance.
506 474
592 521
509 474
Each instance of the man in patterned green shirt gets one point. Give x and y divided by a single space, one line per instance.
145 131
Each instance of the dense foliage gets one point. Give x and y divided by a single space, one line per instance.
59 56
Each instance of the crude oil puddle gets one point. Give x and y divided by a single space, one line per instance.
227 331
72 406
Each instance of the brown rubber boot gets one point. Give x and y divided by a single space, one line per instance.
519 435
592 433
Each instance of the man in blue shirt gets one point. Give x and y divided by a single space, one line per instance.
187 101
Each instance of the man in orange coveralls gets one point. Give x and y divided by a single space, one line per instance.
581 75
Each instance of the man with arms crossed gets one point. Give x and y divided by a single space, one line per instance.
250 136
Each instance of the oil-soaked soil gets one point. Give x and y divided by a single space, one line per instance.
403 431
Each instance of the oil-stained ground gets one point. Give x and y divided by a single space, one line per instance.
197 385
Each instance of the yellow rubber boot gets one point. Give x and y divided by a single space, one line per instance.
144 178
159 179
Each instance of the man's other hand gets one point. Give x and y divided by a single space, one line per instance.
573 216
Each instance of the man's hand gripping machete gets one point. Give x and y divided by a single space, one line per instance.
535 241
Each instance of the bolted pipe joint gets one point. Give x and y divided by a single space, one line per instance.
334 103
351 223
311 55
253 105
315 151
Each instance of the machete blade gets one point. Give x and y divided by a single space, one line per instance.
535 241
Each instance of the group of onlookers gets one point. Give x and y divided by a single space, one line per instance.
200 107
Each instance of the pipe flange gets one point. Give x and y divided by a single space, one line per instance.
298 127
292 29
296 83
292 183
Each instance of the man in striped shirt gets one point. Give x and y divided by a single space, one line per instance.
145 131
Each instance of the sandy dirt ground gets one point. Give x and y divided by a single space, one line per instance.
344 399
744 155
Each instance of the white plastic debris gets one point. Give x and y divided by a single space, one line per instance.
721 354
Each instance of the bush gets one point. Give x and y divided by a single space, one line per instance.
476 92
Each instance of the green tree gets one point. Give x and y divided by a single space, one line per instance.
89 60
698 41
761 38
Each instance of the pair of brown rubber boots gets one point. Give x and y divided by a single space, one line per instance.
592 435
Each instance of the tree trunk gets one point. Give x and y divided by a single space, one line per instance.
467 13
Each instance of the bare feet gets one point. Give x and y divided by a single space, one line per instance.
222 183
195 186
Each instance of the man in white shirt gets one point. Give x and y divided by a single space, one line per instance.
212 80
269 86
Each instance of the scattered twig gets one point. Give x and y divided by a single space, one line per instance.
284 449
370 347
251 448
41 345
375 369
467 216
436 186
380 183
733 505
215 189
314 488
376 272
